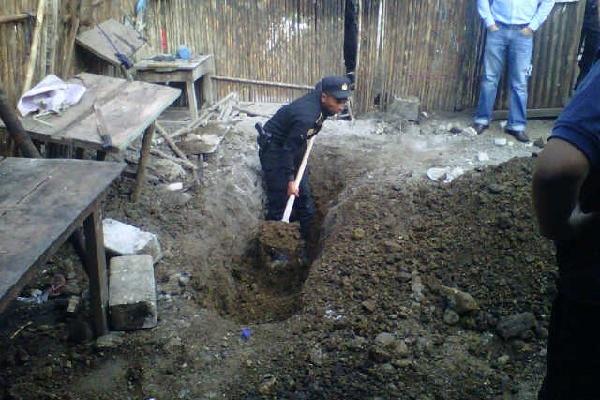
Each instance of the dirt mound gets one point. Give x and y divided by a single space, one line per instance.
377 320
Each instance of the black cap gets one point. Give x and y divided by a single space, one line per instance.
336 86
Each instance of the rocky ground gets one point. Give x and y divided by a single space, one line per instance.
421 289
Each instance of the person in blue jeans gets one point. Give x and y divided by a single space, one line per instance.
510 26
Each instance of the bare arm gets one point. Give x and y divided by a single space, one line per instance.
559 174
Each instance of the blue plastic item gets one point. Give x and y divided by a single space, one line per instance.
183 53
246 333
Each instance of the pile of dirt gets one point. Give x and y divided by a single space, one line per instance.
382 317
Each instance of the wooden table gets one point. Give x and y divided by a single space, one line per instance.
42 202
187 71
129 108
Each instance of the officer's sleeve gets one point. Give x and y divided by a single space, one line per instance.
294 144
579 123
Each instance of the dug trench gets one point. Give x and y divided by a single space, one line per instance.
419 290
266 290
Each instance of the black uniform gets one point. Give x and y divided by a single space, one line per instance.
281 152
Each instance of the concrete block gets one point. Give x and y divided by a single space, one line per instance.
122 239
132 293
405 108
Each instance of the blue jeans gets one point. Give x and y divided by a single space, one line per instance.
518 48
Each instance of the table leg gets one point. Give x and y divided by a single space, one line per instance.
96 269
144 154
207 89
191 95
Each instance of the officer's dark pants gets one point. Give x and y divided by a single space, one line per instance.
591 42
573 360
276 182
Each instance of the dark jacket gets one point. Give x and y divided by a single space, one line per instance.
291 126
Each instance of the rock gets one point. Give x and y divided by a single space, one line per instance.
166 169
503 360
176 199
132 293
470 131
402 363
369 305
404 276
515 325
122 239
267 384
109 341
385 339
500 142
482 156
494 188
73 304
175 186
405 108
539 142
316 355
401 349
417 287
358 234
392 246
455 130
459 301
184 279
451 317
379 355
201 144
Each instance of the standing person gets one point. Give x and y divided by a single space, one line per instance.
283 143
566 197
510 26
590 38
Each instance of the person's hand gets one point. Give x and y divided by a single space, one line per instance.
527 31
292 189
493 28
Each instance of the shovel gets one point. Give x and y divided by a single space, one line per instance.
290 203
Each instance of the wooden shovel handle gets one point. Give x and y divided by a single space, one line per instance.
290 203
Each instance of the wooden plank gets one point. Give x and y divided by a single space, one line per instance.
39 21
14 18
125 39
41 203
531 113
191 64
96 269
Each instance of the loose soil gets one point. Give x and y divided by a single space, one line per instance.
367 320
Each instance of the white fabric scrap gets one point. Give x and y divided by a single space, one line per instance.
51 94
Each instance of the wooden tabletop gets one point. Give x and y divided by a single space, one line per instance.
175 64
41 202
128 107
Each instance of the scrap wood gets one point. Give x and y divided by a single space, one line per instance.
15 17
14 335
251 113
39 20
184 163
162 132
206 115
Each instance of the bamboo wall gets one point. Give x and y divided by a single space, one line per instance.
426 48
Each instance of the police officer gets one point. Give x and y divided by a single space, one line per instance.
282 144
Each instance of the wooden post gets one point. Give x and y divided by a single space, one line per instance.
191 95
96 269
144 154
15 129
39 21
207 83
14 18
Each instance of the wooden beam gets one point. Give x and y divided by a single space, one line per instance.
15 129
531 113
144 155
39 21
14 18
261 83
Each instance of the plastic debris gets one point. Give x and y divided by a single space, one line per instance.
245 334
483 156
500 141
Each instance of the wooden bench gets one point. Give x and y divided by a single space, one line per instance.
42 202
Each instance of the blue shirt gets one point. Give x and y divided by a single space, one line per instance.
579 123
515 12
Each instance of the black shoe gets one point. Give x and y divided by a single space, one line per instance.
479 128
521 136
